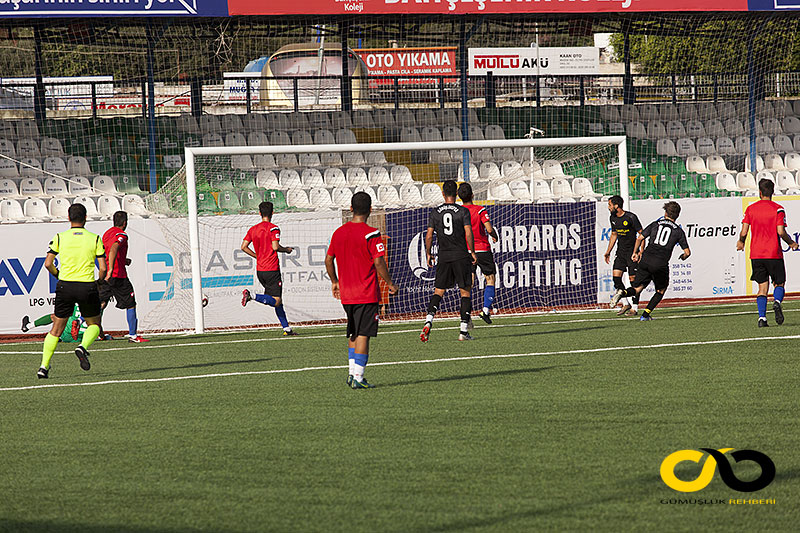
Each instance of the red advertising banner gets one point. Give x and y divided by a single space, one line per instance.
409 62
482 7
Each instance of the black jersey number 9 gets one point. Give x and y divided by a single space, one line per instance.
447 220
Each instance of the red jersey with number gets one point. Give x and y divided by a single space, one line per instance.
764 217
262 235
478 215
115 235
355 246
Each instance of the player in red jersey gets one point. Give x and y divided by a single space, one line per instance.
768 222
360 255
265 237
481 230
116 283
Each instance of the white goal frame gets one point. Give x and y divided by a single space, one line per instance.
191 184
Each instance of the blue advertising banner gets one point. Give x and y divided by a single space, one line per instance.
113 8
545 258
773 5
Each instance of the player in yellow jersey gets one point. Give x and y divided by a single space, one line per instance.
77 250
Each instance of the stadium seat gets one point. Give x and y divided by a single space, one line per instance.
616 128
715 163
609 113
302 137
431 194
7 130
229 202
764 109
78 186
51 147
512 170
254 122
375 158
474 174
238 162
786 181
323 136
715 128
107 205
231 123
31 187
475 133
494 132
520 191
742 144
388 196
759 163
408 135
357 177
791 124
285 121
27 147
91 207
77 166
55 187
648 112
320 197
746 181
705 146
656 130
334 177
362 119
27 128
404 118
206 204
685 147
319 120
331 159
533 169
582 188
695 128
424 117
792 161
771 126
309 160
483 154
675 129
687 111
353 159
8 188
7 148
447 117
541 190
311 177
11 212
764 144
503 154
410 195
783 108
8 169
774 162
280 138
265 161
595 128
290 179
286 161
561 188
734 128
342 197
636 130
725 181
725 146
666 147
134 206
628 113
706 111
552 168
187 124
210 125
372 194
384 118
489 171
379 176
35 210
267 179
212 139
257 138
235 138
783 144
696 164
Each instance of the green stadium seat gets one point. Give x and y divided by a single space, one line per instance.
126 164
122 145
707 186
645 187
606 185
675 165
666 187
220 182
128 184
277 198
251 199
97 144
101 164
655 167
686 185
244 180
229 202
206 204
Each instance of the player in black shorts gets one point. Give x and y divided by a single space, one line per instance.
664 234
625 227
453 227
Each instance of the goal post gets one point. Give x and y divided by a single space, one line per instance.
573 147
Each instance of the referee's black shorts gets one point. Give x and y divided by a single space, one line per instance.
646 273
83 293
485 263
271 280
623 262
768 269
362 320
120 289
450 273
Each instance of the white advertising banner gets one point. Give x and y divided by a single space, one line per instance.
712 227
235 86
161 273
534 61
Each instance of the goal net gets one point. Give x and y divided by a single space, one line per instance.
541 195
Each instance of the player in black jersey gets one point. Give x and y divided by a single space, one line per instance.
453 227
625 227
664 234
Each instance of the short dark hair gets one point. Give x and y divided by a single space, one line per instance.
617 200
465 192
266 208
673 210
361 203
766 187
450 188
120 218
77 213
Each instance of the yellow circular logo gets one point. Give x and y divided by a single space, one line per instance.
624 222
671 461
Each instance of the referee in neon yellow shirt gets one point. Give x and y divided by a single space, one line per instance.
78 249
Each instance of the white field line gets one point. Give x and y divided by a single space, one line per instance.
383 333
415 362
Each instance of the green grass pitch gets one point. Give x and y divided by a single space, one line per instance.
549 423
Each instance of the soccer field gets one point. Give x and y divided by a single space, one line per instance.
557 422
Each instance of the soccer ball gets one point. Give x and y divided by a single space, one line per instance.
205 300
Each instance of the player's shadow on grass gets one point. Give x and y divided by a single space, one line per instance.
185 367
536 331
473 376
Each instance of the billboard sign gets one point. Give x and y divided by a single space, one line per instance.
113 8
534 61
415 62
